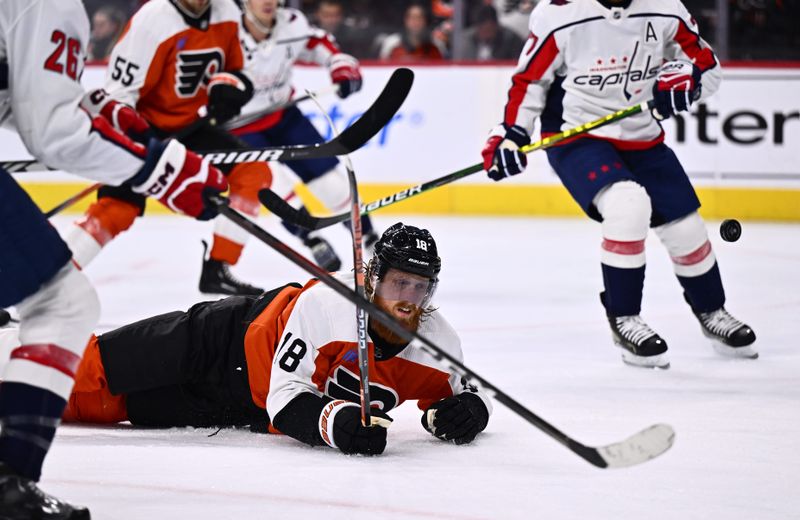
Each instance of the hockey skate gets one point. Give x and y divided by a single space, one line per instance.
640 345
729 336
216 278
21 499
323 253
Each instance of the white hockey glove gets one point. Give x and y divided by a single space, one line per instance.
677 86
501 155
179 178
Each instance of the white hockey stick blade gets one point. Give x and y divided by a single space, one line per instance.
640 447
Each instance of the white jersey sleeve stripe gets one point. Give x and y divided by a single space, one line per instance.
529 84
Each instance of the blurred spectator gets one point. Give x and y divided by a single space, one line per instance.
765 29
757 29
107 24
128 7
415 41
329 16
488 40
515 14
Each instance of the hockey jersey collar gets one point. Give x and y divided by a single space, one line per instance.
383 349
195 21
615 10
608 4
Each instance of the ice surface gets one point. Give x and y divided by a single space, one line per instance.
523 295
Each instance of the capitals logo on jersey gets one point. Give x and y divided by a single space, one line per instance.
194 69
619 71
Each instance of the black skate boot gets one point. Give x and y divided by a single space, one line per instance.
323 253
640 345
729 336
216 278
21 499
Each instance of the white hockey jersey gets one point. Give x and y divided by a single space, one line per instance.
583 60
42 44
269 63
305 341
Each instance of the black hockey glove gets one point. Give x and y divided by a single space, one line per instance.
340 427
228 92
501 155
459 418
677 86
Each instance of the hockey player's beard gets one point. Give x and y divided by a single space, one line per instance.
406 313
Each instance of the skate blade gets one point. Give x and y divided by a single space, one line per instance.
659 361
746 352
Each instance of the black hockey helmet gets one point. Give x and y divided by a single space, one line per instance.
408 249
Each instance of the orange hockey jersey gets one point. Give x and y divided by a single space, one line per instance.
305 341
165 57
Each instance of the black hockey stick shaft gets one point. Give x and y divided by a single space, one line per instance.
286 212
378 115
34 165
358 280
589 454
72 200
352 138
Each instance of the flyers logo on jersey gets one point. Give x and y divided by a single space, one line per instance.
193 69
344 384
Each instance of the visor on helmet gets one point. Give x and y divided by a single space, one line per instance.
397 285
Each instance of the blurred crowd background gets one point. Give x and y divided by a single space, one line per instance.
487 30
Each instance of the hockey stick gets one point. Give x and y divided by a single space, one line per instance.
352 138
285 212
378 115
640 447
72 200
358 270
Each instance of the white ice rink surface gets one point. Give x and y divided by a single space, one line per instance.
523 293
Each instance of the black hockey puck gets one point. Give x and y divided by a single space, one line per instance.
5 317
730 230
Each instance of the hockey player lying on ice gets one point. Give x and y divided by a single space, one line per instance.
288 360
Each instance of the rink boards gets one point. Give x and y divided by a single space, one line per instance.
741 147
